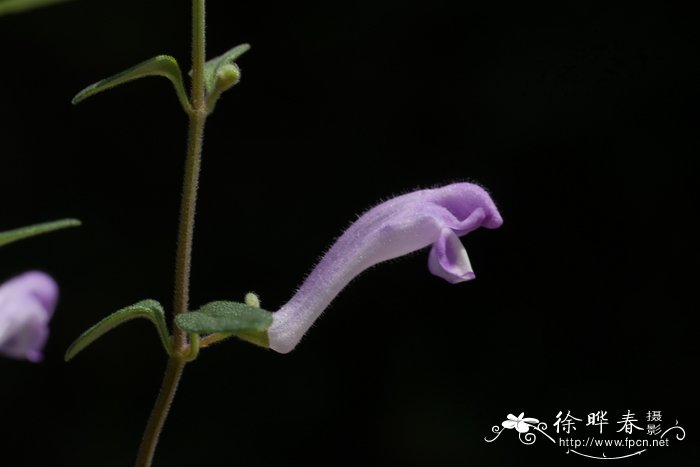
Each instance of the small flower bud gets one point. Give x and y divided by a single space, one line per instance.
227 76
252 300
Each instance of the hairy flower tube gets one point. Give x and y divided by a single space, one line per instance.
394 228
27 303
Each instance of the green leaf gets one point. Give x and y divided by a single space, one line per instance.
18 6
211 67
37 229
162 65
149 309
244 321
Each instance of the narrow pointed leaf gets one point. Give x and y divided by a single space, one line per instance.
37 229
148 309
18 6
212 66
244 321
162 65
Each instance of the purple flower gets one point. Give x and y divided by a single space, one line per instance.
26 305
436 217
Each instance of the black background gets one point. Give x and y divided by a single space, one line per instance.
581 120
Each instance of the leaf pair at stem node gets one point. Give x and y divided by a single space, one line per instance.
220 75
216 321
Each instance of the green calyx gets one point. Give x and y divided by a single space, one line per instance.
228 319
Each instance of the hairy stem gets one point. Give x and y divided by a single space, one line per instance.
190 184
187 217
181 351
160 411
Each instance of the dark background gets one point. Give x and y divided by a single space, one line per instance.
581 120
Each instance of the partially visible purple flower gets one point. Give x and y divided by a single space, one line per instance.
399 226
27 303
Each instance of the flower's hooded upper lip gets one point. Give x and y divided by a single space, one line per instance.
391 229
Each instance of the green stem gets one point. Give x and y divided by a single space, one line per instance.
187 217
182 352
198 117
160 411
198 54
212 339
